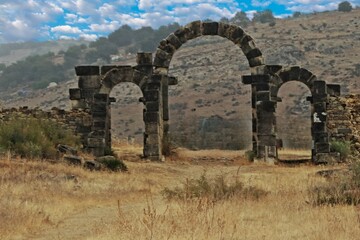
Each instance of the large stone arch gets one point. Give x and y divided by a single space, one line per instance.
158 135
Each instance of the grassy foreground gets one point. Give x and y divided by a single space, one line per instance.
39 200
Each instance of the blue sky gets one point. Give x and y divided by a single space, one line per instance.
40 20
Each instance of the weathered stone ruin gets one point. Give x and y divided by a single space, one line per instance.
151 75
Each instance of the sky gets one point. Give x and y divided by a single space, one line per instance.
43 20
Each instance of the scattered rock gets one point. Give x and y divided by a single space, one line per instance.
75 160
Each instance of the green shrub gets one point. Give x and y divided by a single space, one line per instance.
250 155
342 147
31 138
112 163
215 190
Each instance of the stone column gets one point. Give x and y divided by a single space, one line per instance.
153 118
100 128
319 131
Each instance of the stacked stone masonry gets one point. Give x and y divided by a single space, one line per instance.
344 120
152 77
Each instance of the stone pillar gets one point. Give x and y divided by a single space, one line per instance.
100 128
153 118
320 135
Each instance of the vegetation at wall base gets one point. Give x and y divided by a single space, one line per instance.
34 138
342 147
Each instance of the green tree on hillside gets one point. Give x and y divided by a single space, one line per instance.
345 6
264 17
240 19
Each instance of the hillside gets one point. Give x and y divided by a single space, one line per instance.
210 102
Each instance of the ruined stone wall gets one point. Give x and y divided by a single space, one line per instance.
344 120
77 120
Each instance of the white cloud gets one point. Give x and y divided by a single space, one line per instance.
89 37
24 20
260 3
66 29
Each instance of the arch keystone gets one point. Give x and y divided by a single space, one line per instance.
210 28
194 30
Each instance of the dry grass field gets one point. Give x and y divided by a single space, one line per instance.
41 200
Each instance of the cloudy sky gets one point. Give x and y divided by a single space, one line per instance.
40 20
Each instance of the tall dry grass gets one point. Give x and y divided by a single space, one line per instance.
39 200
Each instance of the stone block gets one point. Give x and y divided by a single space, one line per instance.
162 58
320 88
152 106
151 117
294 73
194 30
89 82
267 140
334 90
253 53
181 34
167 47
144 58
210 28
172 81
344 131
321 137
152 95
99 125
319 107
174 41
96 142
75 93
152 128
101 97
87 70
318 127
257 61
262 96
322 147
305 75
272 69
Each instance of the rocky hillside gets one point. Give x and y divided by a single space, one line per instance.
211 103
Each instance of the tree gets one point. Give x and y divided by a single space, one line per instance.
224 20
122 37
240 19
264 17
345 6
296 14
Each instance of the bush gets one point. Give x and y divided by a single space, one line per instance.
112 163
264 17
31 138
250 155
345 6
342 147
214 190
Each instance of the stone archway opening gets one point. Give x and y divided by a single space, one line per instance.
127 125
211 114
293 122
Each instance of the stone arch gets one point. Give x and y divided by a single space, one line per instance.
161 63
174 41
318 99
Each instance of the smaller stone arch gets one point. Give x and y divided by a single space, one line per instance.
95 84
318 99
